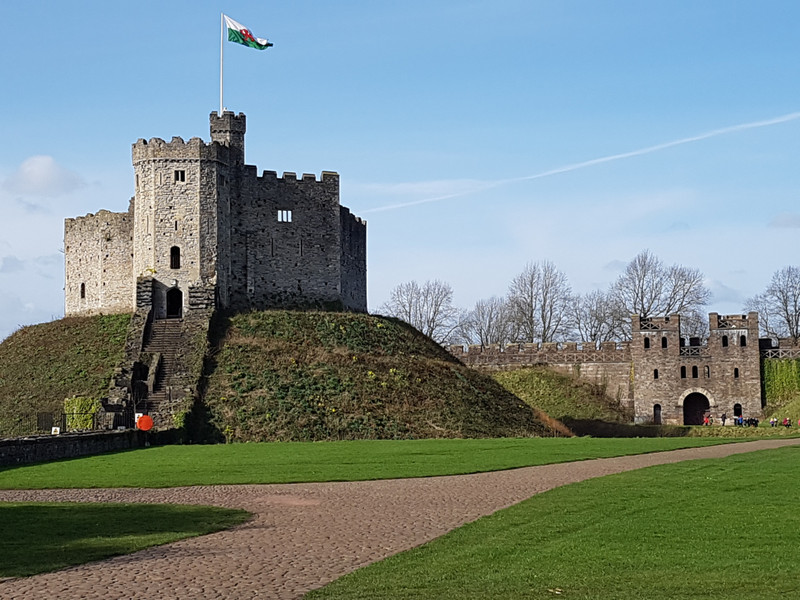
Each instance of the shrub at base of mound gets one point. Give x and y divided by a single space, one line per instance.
282 375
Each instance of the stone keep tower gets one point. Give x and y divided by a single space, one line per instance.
204 230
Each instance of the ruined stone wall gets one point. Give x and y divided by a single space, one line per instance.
354 261
285 241
98 264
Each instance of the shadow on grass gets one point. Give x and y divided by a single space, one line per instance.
40 537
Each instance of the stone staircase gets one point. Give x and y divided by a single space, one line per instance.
168 339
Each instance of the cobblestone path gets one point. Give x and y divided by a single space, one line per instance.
306 535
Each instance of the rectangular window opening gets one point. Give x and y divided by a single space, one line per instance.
180 175
284 216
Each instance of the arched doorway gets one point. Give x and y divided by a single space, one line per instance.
695 406
657 414
174 303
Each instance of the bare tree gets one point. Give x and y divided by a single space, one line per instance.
540 300
779 305
427 307
647 288
487 323
594 317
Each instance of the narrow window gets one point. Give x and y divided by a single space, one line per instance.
683 372
694 372
176 226
743 340
83 290
664 342
180 175
646 342
708 372
174 258
655 373
724 341
736 373
284 216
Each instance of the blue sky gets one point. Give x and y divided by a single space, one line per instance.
443 119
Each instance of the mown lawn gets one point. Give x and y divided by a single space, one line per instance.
168 466
40 537
712 529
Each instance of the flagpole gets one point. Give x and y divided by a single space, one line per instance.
221 38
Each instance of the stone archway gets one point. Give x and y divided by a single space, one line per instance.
174 303
695 406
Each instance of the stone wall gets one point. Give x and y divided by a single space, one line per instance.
607 365
354 261
56 447
98 264
285 241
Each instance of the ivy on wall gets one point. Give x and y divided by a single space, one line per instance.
80 412
780 378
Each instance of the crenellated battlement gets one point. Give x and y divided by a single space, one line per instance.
178 149
748 321
291 176
542 353
668 323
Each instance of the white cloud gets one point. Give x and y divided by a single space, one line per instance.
11 264
42 176
786 220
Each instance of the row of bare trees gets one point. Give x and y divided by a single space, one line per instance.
540 305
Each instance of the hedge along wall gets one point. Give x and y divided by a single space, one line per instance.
780 378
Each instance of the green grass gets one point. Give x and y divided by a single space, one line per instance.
41 537
313 376
168 466
42 365
561 395
712 529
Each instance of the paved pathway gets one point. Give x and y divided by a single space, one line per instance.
306 535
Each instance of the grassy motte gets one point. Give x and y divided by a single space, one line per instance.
41 365
288 375
562 395
40 537
719 529
168 466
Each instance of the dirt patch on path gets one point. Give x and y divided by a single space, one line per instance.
306 535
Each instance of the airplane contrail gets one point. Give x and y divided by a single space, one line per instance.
596 161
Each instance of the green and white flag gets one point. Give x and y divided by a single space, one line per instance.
241 35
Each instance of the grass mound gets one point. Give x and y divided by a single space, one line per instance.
284 375
41 365
561 395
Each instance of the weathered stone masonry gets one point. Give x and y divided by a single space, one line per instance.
665 377
205 231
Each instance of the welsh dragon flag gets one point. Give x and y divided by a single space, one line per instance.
241 35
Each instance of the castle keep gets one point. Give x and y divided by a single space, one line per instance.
205 231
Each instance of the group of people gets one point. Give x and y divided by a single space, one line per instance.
740 421
774 422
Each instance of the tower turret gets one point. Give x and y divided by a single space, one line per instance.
229 130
